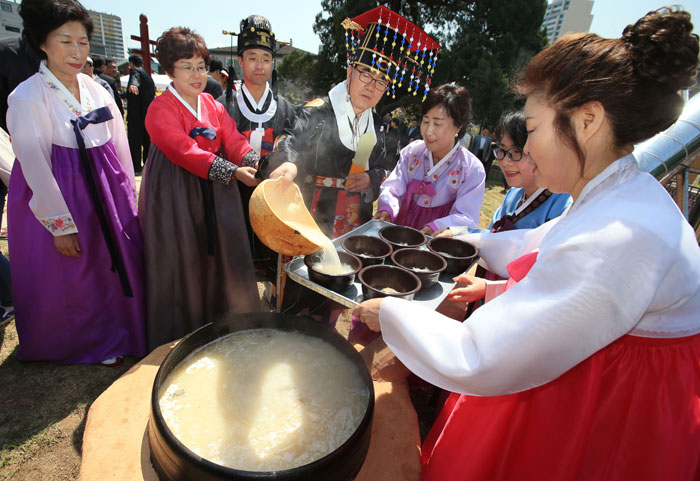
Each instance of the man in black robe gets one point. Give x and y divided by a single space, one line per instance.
322 151
322 146
260 114
141 91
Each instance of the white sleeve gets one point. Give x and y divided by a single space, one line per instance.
578 297
7 158
498 249
494 289
31 131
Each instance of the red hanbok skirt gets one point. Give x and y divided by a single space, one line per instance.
631 411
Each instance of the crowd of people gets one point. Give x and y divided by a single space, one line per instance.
581 359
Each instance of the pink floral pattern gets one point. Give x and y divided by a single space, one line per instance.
58 224
414 164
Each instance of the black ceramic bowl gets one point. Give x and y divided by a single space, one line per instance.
400 236
413 259
458 253
334 282
172 460
370 250
376 278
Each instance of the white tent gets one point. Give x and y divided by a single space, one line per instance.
161 81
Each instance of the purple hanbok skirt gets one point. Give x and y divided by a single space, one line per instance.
73 309
418 217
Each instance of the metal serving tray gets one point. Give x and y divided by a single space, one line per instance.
430 298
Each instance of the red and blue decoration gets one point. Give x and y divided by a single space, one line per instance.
387 43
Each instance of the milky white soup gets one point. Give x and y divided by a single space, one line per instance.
264 400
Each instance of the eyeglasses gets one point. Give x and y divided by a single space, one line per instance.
380 84
515 153
189 70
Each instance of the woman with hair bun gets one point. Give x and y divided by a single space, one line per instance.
586 367
198 262
75 241
437 183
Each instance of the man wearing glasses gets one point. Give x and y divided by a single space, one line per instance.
319 151
336 152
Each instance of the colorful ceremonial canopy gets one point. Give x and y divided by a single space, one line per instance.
387 43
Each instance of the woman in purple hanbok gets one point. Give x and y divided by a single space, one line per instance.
74 238
437 183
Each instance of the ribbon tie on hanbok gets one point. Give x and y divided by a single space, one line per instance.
418 187
99 116
207 193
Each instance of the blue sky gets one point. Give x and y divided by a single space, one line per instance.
295 22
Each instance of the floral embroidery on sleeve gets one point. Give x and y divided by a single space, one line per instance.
62 224
250 159
222 170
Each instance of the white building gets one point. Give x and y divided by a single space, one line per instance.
10 21
107 37
567 16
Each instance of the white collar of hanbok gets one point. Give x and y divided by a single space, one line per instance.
86 103
198 113
445 160
529 200
350 126
252 116
616 169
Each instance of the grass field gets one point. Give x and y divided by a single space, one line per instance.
43 405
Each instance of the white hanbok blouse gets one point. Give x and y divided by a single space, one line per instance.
622 260
39 116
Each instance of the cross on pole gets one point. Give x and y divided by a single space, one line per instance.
145 50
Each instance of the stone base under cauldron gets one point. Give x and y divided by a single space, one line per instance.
115 442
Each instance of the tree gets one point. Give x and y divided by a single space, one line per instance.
485 43
487 51
298 76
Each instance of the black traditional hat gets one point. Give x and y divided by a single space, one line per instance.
387 43
256 32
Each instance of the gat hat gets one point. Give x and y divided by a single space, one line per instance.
256 32
387 43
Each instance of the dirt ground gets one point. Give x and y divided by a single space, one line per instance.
43 406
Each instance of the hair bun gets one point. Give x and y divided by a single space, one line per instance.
663 47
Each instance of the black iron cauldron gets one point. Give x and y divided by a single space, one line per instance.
172 460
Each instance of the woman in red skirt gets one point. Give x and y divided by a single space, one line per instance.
588 366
